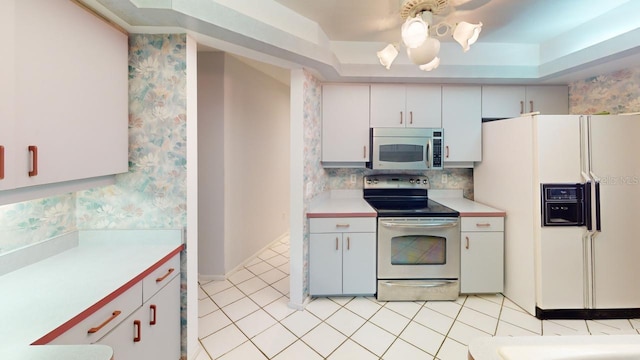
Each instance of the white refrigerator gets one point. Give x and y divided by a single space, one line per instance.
567 271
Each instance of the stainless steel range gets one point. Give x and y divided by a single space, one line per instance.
418 240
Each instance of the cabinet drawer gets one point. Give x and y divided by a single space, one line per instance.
160 277
332 225
103 319
482 224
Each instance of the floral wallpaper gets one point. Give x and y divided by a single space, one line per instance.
616 92
313 172
29 222
153 193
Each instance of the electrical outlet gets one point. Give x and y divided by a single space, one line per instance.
444 178
353 178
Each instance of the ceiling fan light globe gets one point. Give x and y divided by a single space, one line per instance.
425 53
466 34
387 55
414 32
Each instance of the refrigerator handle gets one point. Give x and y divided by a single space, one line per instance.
587 206
598 222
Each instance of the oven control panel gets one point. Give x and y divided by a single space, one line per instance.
396 182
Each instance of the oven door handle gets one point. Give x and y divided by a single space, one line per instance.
429 284
430 225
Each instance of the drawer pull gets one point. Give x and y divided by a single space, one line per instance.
34 160
154 314
483 224
136 326
466 246
342 225
165 275
113 316
1 162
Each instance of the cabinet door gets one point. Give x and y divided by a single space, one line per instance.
152 331
462 123
161 323
548 100
503 102
325 264
388 106
71 93
7 97
424 106
481 262
345 123
359 263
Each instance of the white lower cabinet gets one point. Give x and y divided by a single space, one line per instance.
342 256
153 331
482 255
141 323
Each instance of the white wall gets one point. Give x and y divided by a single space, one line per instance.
256 133
243 140
211 163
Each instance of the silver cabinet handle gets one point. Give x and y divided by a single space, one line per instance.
364 152
521 107
531 106
348 243
466 246
410 117
400 117
336 243
342 225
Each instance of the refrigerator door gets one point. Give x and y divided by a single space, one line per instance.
561 278
615 167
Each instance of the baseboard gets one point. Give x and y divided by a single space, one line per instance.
242 264
302 306
587 314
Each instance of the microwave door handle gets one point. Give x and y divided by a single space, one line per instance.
428 154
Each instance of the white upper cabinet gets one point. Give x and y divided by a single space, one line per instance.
501 102
7 97
462 123
345 125
406 106
68 82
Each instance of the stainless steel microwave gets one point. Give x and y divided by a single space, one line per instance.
406 149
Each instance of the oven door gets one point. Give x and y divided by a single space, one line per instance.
419 248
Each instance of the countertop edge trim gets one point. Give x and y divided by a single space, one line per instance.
93 308
341 215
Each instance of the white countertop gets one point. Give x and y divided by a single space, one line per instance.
340 203
350 203
466 207
40 297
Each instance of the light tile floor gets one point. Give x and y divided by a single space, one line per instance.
247 317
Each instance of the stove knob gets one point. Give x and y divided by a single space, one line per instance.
410 181
375 181
424 181
368 181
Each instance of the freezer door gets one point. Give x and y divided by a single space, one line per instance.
614 165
